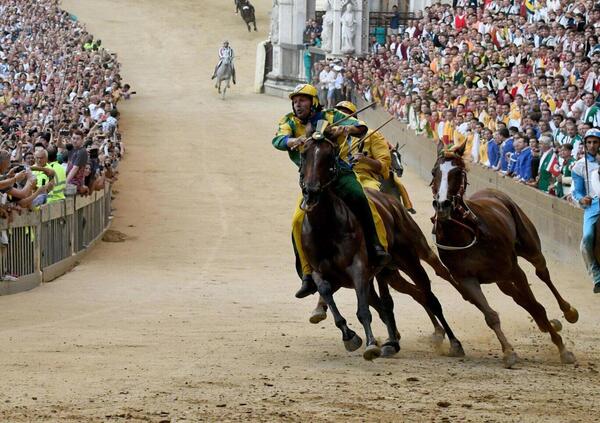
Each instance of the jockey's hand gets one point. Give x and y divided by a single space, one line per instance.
295 143
359 158
586 201
336 131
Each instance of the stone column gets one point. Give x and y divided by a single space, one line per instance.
288 70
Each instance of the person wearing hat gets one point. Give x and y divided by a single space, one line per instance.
371 161
224 52
290 137
586 189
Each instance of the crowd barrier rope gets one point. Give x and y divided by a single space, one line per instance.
43 244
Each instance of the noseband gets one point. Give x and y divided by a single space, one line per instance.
465 213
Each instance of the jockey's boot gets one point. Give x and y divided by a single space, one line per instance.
378 256
412 211
308 287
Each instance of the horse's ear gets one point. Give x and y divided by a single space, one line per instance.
397 145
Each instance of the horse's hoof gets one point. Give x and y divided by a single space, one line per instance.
567 357
390 349
318 315
556 324
437 338
572 315
353 343
456 349
372 352
510 359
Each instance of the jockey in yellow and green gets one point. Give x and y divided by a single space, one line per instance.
290 137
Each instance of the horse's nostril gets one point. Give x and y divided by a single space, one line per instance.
435 204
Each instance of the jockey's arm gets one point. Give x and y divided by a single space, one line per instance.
579 191
379 160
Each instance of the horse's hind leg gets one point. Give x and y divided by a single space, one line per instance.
384 304
396 281
472 290
416 272
529 247
254 22
352 341
541 270
522 294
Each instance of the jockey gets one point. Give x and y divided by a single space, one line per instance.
587 197
290 137
224 52
373 163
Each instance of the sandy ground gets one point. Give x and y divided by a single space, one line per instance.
193 318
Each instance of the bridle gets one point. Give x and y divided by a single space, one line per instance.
465 213
333 171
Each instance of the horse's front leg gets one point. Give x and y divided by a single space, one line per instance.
352 341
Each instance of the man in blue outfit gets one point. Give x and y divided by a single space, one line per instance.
586 188
506 147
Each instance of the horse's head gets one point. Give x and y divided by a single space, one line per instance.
396 156
318 170
449 181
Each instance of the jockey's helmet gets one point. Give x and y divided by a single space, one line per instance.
346 106
594 132
226 43
308 90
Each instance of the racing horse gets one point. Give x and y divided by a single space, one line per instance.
389 185
224 73
335 247
479 239
247 12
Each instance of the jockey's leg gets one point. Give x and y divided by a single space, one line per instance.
308 285
590 220
351 192
368 182
403 193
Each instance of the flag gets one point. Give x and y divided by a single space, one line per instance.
554 166
530 6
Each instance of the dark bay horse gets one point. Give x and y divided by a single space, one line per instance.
247 10
335 247
479 240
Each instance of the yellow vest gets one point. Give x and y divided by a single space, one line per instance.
58 193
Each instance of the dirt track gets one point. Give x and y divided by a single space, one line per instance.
194 318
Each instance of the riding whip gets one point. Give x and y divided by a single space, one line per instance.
361 143
353 114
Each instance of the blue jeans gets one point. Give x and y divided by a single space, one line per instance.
590 217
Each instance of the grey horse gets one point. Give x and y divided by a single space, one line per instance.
224 73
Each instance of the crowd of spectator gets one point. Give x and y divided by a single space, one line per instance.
312 33
58 107
518 82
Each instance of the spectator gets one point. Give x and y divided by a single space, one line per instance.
395 21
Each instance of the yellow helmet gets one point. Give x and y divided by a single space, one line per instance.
347 105
306 89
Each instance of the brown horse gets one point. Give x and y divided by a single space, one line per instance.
335 247
479 240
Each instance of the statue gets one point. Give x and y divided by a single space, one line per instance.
327 27
274 35
348 28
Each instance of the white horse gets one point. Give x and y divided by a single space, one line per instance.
224 73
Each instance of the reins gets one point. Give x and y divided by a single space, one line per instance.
465 212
